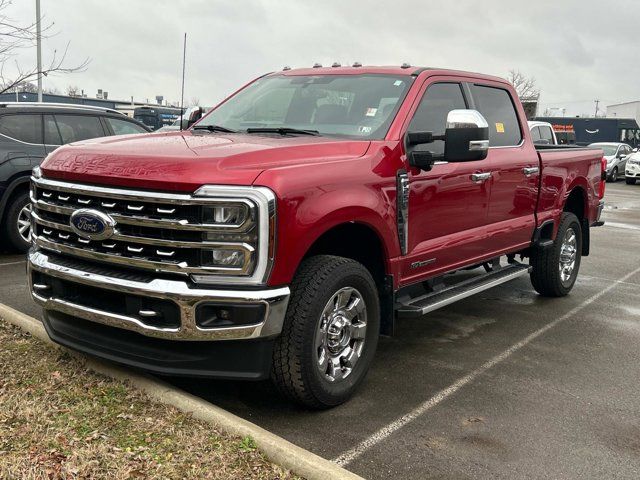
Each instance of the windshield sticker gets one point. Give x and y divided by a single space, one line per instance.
397 83
371 112
499 127
364 130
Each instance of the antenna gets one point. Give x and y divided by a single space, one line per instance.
184 58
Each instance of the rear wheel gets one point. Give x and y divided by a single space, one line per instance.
614 175
330 332
555 269
630 181
17 222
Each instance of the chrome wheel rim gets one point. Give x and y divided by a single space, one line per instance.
341 333
24 223
568 255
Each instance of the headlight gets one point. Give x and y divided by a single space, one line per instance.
239 241
224 258
225 214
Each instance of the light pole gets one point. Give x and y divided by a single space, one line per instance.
39 50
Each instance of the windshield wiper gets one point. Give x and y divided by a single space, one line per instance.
214 128
283 131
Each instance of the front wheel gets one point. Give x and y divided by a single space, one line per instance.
330 332
614 175
17 223
555 269
630 181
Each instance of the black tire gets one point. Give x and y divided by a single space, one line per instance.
614 175
295 362
630 181
10 223
545 275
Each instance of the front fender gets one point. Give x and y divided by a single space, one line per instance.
312 202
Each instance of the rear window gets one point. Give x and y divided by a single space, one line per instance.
23 127
496 106
74 128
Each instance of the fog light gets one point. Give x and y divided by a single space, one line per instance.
210 315
223 258
225 215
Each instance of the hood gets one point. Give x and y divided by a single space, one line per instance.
184 161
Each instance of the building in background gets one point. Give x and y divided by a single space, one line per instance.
624 110
126 107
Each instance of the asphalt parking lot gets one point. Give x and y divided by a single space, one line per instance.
505 384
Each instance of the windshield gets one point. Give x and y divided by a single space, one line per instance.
608 150
352 106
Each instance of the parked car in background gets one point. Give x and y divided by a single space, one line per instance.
191 116
632 169
30 131
616 155
156 117
542 133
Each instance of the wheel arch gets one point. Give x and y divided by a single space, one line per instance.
17 183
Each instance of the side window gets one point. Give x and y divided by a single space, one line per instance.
122 127
546 134
535 135
51 133
496 106
23 127
431 115
74 128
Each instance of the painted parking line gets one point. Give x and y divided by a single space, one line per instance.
12 263
627 226
355 452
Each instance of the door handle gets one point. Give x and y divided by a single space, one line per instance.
480 177
528 171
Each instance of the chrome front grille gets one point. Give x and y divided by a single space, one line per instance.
157 231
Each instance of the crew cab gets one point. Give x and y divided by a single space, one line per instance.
299 219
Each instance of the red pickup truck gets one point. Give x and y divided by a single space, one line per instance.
292 225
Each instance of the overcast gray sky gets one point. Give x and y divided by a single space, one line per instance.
578 50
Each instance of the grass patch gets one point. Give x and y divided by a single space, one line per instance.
60 421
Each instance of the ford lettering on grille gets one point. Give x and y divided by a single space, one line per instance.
92 224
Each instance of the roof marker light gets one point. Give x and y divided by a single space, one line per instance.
335 65
405 65
317 65
357 64
286 67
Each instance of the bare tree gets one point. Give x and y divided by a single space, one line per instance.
195 102
526 87
13 39
73 91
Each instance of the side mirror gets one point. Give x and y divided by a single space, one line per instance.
466 136
193 115
621 155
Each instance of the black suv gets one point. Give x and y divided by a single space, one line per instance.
30 131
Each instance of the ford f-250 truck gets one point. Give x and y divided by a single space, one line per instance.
292 225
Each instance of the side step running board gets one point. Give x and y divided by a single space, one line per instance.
433 301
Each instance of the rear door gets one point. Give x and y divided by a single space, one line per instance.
514 167
52 138
74 128
447 209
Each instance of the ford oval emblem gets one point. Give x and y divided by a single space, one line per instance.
92 224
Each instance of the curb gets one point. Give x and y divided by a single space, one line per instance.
275 448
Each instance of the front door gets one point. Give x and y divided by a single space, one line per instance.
447 206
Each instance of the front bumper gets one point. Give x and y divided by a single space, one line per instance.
46 271
632 170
